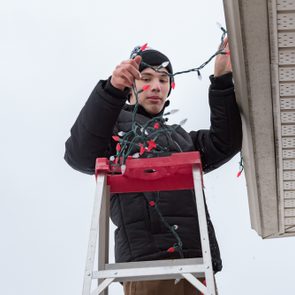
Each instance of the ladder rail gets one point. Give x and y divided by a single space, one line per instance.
103 235
97 212
203 225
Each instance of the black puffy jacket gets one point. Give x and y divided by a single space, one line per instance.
141 234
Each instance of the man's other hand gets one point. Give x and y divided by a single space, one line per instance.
222 61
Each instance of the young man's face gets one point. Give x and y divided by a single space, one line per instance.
152 99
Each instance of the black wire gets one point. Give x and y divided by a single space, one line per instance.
178 245
197 69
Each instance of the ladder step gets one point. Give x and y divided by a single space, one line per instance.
149 270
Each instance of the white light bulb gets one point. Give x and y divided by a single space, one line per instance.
219 25
123 169
165 64
135 156
171 112
182 122
174 111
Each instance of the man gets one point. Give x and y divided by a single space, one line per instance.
141 233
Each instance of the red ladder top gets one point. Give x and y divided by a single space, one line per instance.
173 172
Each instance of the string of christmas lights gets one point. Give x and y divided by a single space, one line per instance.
144 137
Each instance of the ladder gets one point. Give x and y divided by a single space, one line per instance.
175 172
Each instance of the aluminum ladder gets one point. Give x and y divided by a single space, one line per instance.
175 172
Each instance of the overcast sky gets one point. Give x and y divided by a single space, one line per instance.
52 54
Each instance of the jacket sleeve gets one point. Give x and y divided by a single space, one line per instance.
224 138
91 133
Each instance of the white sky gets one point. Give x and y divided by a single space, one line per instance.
52 54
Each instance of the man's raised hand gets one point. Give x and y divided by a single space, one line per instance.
125 73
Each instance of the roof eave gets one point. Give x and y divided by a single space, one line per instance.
247 23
